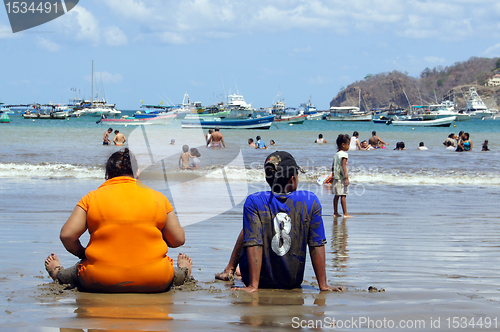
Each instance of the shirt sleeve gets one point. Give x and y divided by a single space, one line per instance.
317 236
84 202
168 206
252 224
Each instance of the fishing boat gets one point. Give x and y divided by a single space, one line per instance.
476 107
210 113
310 111
237 119
420 122
164 119
348 113
289 118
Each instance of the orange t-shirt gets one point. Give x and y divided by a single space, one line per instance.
126 251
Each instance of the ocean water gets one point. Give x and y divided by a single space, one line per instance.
73 149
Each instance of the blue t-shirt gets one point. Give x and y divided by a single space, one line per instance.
260 144
283 225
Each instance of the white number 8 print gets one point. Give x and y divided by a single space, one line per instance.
281 240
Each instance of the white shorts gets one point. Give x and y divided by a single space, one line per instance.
339 187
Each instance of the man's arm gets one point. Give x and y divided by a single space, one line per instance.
209 140
358 145
124 139
318 262
254 254
222 140
382 141
72 230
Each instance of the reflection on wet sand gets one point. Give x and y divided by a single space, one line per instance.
123 306
339 245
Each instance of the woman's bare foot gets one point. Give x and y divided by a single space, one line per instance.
336 215
348 215
183 260
52 265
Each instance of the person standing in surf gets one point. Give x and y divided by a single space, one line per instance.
340 176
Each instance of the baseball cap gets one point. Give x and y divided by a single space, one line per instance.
282 160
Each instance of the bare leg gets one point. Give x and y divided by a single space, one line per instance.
344 206
183 270
228 273
53 265
59 273
335 206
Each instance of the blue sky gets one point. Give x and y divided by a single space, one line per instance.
159 50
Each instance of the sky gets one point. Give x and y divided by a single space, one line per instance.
155 50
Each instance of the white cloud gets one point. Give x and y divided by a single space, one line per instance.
493 51
115 37
48 45
6 32
434 59
81 25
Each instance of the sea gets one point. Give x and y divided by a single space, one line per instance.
425 225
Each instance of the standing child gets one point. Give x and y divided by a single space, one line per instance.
340 176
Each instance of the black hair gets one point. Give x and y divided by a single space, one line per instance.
278 179
467 135
320 136
195 152
421 144
460 133
451 135
121 163
374 132
355 134
110 129
258 138
250 139
117 131
400 146
341 139
185 148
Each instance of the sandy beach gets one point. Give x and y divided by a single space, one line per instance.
431 250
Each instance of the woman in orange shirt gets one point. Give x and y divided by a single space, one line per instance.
131 227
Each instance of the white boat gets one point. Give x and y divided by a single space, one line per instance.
310 111
476 107
164 119
419 122
348 113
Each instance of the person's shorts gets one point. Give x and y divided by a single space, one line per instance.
339 187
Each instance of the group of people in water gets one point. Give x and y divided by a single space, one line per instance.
118 140
259 144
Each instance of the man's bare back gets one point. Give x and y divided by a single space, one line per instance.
216 139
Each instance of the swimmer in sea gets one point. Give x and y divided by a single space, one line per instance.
217 139
119 138
106 140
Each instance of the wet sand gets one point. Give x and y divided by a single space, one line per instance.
434 250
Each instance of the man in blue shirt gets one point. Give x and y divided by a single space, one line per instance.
278 225
260 144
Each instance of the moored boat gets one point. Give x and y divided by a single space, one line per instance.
158 120
250 123
420 122
348 113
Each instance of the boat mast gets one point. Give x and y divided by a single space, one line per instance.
92 78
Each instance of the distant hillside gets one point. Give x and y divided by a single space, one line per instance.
388 90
